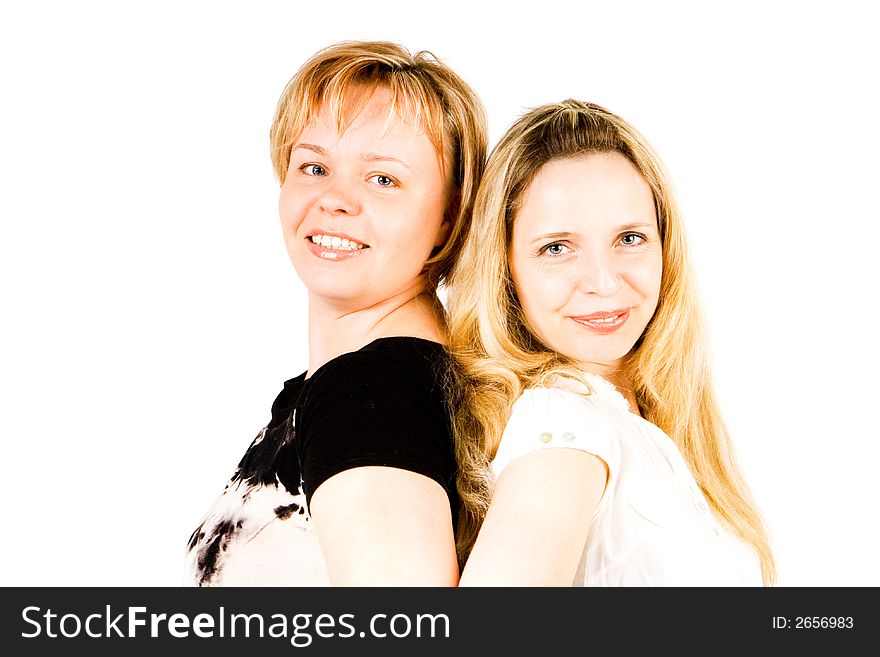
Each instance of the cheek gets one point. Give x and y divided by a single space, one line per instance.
547 287
289 205
431 215
531 293
413 226
657 278
539 295
648 281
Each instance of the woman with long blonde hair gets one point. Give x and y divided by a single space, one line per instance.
590 445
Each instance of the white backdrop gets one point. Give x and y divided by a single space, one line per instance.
150 313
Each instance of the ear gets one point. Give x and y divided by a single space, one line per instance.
443 232
449 218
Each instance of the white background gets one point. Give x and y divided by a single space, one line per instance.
150 313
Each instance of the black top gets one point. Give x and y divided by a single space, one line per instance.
381 405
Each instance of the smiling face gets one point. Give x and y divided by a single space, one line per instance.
586 258
361 210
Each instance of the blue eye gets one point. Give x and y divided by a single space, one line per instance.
632 239
313 170
384 181
555 249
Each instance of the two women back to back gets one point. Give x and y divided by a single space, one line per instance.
578 440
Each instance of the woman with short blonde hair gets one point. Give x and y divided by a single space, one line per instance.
352 482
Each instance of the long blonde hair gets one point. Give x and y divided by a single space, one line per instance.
497 356
436 97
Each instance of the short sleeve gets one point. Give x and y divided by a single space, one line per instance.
379 408
551 418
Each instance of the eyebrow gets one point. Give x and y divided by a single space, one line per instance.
367 157
551 236
633 226
377 157
311 147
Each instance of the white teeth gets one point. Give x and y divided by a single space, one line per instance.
605 320
336 242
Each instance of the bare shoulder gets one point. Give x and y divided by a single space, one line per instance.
384 526
538 520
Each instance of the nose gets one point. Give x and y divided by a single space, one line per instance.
339 198
598 274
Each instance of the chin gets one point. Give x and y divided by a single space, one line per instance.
343 303
606 358
328 282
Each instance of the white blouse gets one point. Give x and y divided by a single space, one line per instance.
653 526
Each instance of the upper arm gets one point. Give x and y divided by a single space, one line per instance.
385 526
378 472
537 523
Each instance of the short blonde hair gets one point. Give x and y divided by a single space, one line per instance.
433 94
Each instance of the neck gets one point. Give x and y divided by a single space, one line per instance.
616 375
335 330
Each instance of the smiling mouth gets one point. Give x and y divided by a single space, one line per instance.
604 322
336 242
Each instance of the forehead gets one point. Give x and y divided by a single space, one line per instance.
374 121
377 112
591 190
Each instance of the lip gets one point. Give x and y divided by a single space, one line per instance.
329 253
603 322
